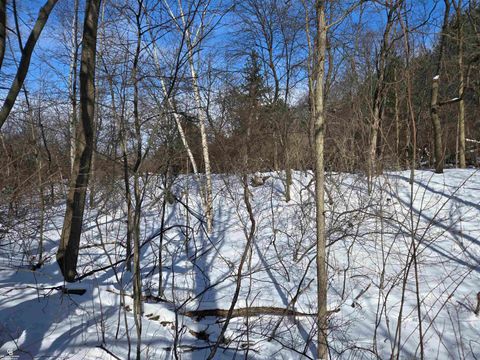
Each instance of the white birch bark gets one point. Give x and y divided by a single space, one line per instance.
202 116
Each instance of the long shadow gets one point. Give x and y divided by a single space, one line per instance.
270 274
447 228
438 192
34 322
306 335
195 257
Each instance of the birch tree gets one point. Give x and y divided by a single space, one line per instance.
167 93
184 22
192 41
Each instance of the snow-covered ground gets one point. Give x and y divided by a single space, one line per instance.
373 280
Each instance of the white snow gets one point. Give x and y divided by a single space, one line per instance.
370 238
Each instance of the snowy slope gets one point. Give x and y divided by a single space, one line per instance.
372 275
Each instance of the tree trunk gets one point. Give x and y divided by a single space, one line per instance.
461 89
434 107
67 254
38 160
276 167
25 60
39 169
137 276
437 127
93 161
288 174
397 120
3 27
73 83
285 142
166 187
202 117
319 133
128 199
206 157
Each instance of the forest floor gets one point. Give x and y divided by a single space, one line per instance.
373 279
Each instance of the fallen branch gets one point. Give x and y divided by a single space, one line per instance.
61 288
245 312
241 312
191 348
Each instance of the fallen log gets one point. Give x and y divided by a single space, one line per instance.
245 312
241 312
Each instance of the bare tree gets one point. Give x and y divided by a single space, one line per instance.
167 93
434 103
25 60
72 86
202 116
193 40
67 254
273 29
380 87
461 86
36 144
319 135
137 191
3 27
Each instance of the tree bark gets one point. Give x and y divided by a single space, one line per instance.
397 119
201 113
202 117
461 89
203 133
437 127
319 133
25 60
137 276
434 106
73 83
3 27
67 254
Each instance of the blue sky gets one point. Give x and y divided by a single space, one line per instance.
49 67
